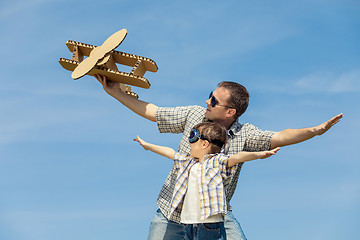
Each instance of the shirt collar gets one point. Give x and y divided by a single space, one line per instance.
207 156
234 129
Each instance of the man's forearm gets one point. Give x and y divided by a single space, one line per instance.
291 136
144 109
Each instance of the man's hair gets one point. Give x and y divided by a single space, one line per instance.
214 133
239 97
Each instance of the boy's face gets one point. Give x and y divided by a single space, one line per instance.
196 143
196 148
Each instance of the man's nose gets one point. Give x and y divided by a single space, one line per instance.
207 101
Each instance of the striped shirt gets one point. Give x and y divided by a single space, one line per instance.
212 175
241 137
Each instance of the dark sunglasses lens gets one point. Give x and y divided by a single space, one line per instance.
193 136
213 101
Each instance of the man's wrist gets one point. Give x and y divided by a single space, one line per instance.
315 131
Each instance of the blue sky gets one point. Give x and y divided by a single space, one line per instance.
69 168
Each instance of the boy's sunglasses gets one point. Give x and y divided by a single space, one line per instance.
195 135
214 102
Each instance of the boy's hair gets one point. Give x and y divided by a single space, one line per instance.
213 131
239 97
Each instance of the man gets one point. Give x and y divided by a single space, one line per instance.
224 106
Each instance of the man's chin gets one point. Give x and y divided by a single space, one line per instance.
207 114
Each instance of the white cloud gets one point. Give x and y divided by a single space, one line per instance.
322 82
330 82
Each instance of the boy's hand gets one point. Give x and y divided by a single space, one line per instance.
266 154
142 142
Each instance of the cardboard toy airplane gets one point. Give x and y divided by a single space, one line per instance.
102 60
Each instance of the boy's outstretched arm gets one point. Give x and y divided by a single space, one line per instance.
293 136
161 150
144 109
248 156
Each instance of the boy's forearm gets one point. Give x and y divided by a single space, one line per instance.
161 150
242 157
249 156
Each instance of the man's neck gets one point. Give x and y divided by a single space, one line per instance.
226 123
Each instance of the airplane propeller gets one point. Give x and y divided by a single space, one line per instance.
98 54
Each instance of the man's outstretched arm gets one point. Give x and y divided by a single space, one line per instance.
144 109
293 136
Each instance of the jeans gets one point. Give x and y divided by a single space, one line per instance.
205 231
162 229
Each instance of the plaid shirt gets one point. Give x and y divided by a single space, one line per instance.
244 137
213 176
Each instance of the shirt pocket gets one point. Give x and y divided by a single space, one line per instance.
213 178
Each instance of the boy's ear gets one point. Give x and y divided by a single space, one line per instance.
205 144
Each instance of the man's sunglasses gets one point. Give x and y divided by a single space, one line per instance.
195 135
214 101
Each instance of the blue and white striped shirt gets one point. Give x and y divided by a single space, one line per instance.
213 175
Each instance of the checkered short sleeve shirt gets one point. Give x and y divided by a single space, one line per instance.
244 137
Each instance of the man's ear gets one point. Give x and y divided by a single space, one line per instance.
231 112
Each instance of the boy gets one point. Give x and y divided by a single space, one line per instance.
201 177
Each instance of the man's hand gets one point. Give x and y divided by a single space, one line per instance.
324 127
112 88
144 109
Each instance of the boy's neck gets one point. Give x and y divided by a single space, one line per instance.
202 155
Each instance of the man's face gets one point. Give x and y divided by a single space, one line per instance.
219 111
